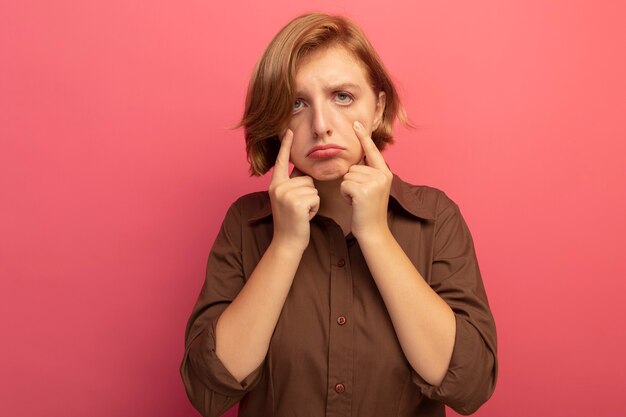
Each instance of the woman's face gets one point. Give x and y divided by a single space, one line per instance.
332 92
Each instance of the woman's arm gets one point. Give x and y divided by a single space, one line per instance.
444 326
245 328
424 323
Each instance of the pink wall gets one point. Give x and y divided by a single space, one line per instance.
117 165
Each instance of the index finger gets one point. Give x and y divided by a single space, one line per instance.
372 154
281 166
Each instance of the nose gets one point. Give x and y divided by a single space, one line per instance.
321 122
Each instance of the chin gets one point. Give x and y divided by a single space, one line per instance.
329 177
328 174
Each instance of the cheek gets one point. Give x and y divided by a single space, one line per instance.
353 114
300 126
360 112
300 142
297 126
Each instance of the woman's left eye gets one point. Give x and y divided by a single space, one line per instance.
344 98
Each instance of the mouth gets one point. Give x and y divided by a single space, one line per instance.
324 151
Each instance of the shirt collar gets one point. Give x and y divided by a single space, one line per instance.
400 191
406 195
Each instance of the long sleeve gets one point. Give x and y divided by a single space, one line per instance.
472 373
210 387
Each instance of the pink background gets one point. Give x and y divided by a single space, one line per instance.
117 165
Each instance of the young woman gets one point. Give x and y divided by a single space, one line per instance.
342 290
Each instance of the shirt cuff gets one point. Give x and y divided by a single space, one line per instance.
471 376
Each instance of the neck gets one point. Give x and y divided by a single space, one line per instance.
332 203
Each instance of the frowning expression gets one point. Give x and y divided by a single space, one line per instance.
332 91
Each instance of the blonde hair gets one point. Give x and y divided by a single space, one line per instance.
269 102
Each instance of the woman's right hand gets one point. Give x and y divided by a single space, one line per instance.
294 200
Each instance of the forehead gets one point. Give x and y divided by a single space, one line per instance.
333 64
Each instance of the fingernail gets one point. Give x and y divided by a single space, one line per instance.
357 125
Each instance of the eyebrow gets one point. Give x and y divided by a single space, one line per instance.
336 87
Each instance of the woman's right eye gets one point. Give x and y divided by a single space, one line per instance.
297 105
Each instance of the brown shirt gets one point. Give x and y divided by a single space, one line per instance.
334 351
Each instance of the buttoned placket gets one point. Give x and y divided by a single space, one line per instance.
341 338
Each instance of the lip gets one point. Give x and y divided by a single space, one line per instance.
324 151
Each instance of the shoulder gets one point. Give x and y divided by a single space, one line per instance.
425 198
252 205
254 199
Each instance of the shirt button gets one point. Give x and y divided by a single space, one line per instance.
340 388
341 263
341 320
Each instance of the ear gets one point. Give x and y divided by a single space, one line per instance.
380 110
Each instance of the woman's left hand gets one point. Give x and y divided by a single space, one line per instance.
366 188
